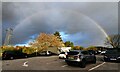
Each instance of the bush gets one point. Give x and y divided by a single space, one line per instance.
91 48
28 50
77 48
7 48
31 51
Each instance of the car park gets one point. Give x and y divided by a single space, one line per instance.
112 55
80 58
13 55
62 55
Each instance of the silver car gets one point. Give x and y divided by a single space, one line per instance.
80 58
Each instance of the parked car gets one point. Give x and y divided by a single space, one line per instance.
103 52
45 53
99 51
112 55
62 55
80 58
92 52
13 55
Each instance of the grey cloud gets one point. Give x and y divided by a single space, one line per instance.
49 22
0 23
64 17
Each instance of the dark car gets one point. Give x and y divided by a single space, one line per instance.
92 52
13 55
80 58
112 55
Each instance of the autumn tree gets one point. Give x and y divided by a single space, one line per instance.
43 41
113 40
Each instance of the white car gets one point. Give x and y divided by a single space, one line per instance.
103 52
62 55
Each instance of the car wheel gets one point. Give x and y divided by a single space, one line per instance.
106 60
59 57
83 64
69 63
26 56
117 61
11 58
94 61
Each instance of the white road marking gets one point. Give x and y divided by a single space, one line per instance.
97 66
64 65
25 64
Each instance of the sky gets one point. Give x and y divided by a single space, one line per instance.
80 22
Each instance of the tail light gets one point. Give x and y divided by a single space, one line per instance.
76 57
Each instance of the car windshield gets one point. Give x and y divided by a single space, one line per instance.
73 53
112 52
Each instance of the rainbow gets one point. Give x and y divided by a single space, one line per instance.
78 13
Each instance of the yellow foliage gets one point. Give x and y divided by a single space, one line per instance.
78 48
91 48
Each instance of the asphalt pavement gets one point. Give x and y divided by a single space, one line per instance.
54 63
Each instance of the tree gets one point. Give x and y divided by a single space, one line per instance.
113 40
77 48
58 35
43 41
28 50
91 48
69 44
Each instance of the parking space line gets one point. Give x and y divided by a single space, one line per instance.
64 65
97 66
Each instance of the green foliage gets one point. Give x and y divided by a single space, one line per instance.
31 51
69 44
77 48
91 48
7 48
58 35
28 50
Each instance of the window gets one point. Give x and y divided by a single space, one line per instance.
85 52
73 53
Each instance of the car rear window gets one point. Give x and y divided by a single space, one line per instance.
62 53
73 53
